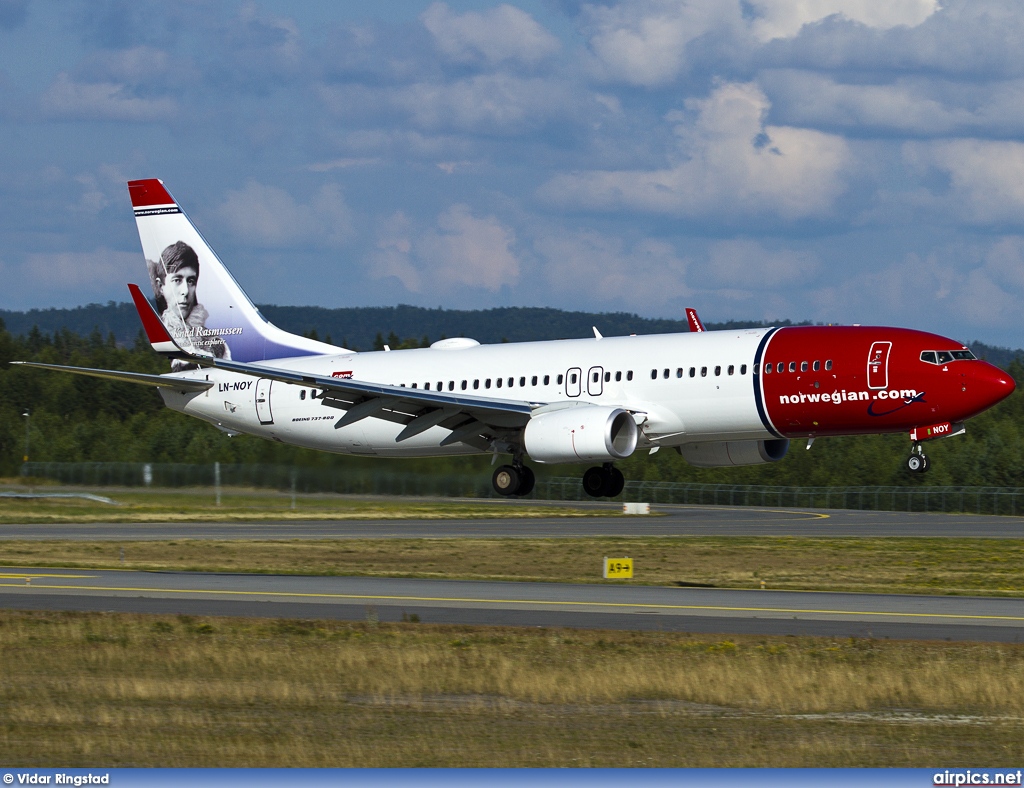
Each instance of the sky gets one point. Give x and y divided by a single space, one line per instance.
839 161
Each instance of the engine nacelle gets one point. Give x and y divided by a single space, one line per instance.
586 432
716 454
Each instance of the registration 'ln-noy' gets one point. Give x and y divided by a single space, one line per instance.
732 397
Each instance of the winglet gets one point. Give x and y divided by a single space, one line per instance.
693 320
156 332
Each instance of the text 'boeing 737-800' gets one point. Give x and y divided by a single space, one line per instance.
733 397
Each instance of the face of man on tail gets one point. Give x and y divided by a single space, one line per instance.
176 280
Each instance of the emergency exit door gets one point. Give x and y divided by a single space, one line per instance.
878 365
263 412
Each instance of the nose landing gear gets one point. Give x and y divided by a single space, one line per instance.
917 462
604 482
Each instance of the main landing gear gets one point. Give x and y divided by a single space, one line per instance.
604 482
917 462
514 479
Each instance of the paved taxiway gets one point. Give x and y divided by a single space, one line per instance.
616 606
671 521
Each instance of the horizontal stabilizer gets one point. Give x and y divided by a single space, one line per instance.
160 381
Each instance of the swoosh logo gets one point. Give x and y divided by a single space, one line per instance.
906 402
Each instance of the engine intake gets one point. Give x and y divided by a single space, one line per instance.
717 454
586 432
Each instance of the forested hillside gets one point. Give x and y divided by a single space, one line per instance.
84 419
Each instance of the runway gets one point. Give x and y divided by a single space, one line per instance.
667 521
613 606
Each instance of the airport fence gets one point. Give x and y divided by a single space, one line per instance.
976 500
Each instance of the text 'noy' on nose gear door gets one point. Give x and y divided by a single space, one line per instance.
263 412
878 365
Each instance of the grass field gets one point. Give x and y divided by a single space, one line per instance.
891 565
124 690
199 505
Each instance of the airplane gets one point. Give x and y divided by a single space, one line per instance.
719 398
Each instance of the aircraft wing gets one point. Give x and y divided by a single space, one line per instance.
472 420
160 381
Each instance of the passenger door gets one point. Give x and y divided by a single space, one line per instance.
878 365
263 412
573 382
595 381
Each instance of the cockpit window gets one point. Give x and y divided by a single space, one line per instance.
946 356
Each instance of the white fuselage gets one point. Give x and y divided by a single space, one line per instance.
715 402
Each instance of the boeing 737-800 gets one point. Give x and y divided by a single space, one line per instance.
734 397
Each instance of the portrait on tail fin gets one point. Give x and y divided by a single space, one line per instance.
175 279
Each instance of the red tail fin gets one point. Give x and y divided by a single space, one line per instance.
693 320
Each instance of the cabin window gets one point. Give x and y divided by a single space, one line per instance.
654 374
803 366
792 366
511 382
487 383
522 381
718 371
665 374
426 386
703 372
559 380
743 369
440 386
816 366
629 375
302 394
476 384
596 376
679 372
828 364
780 367
414 385
533 381
731 370
572 378
767 369
401 385
451 385
693 372
618 376
607 377
547 380
465 384
498 382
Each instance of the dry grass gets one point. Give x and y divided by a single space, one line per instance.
199 505
926 566
120 690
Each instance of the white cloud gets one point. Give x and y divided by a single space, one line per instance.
986 178
270 216
471 251
602 267
88 272
785 18
109 101
731 164
461 250
497 35
643 42
747 265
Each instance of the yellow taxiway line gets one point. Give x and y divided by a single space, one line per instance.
551 603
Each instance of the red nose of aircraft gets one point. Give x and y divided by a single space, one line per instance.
989 385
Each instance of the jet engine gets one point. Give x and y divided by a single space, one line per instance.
586 432
716 454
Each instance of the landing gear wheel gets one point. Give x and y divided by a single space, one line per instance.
927 463
506 480
594 482
526 481
616 481
915 463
